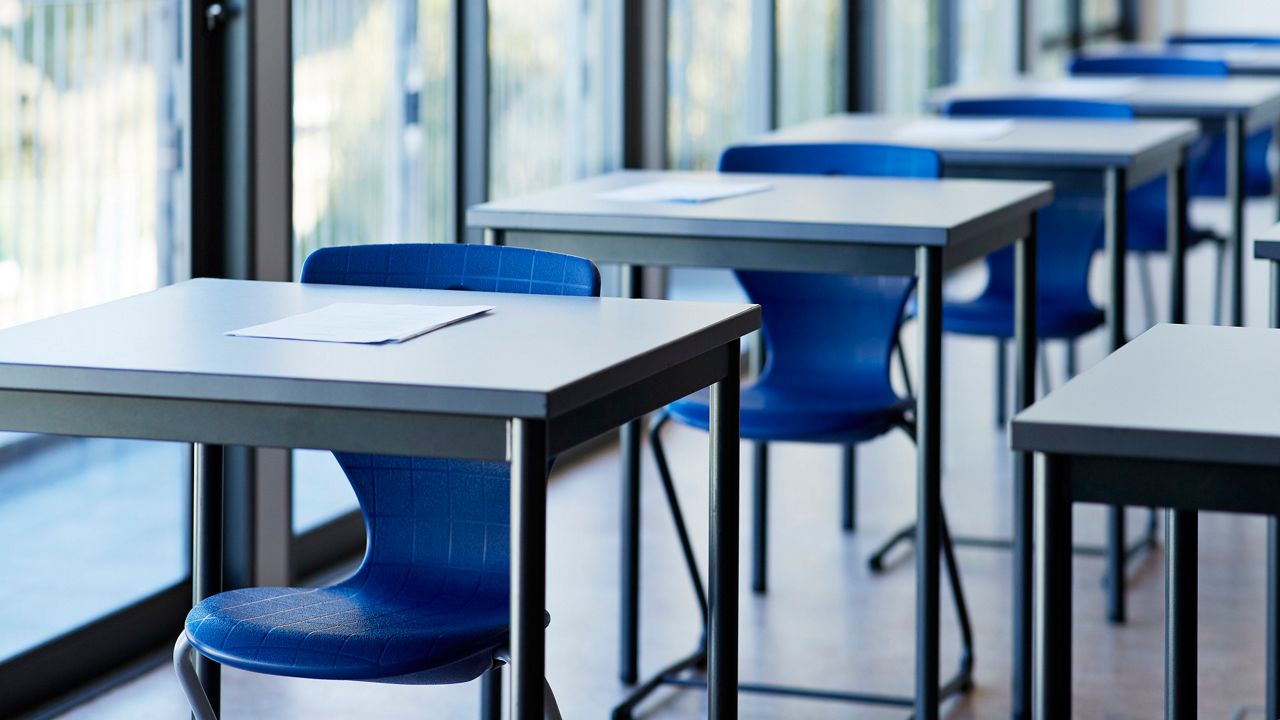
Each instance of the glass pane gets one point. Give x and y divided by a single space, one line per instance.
988 40
551 81
906 55
708 79
1052 30
370 155
1101 15
808 59
92 208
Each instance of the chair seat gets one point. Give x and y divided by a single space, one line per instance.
817 413
991 315
352 632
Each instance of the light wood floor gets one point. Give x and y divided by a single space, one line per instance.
827 622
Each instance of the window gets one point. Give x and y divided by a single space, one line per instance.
809 57
552 92
904 71
92 208
1052 23
988 40
710 96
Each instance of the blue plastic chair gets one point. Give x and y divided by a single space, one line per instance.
829 340
1064 310
1211 180
1224 39
430 602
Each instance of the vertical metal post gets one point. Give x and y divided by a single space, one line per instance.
849 489
1053 594
469 103
1235 202
629 524
722 661
491 695
206 545
1273 543
759 517
1116 227
528 566
1180 615
928 484
1024 471
1001 381
1177 239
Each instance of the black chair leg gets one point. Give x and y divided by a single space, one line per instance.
491 695
1071 358
1002 401
965 674
1218 282
677 516
1148 291
760 518
849 489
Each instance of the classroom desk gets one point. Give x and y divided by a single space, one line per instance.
533 378
1184 417
849 225
1235 106
1073 154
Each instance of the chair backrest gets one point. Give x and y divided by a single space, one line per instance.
1147 65
425 517
1225 39
1069 230
835 331
1041 107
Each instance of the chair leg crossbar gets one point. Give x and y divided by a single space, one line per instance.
686 672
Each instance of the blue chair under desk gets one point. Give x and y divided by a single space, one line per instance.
429 605
1211 180
828 342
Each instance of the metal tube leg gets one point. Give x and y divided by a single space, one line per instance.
1235 201
1053 595
1072 359
849 489
629 572
528 566
929 486
201 709
1176 229
1002 374
1024 471
722 661
1180 615
491 695
206 545
1148 290
1116 210
1273 616
760 518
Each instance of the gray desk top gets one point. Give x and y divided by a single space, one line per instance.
1241 59
1177 392
800 208
1029 142
533 356
1256 98
1267 246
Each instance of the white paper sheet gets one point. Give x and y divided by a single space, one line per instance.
682 192
940 129
1086 88
365 323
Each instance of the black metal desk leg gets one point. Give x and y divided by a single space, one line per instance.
928 483
1180 615
528 566
1053 595
1116 228
629 524
1177 240
722 659
206 550
1024 473
1235 202
1273 616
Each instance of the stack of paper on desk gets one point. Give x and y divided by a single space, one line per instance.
363 322
684 192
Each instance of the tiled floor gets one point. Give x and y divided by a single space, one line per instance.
827 622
